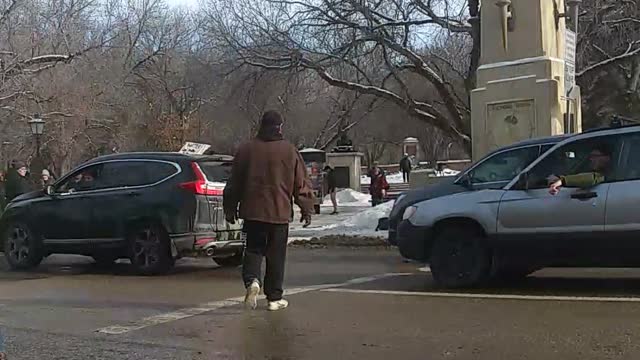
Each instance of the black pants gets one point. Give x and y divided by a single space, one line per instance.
375 201
406 175
270 241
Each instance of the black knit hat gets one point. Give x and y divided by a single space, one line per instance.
271 119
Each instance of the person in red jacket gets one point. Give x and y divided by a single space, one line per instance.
379 186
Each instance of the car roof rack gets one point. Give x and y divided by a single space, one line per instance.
620 121
617 122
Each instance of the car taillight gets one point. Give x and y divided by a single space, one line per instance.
204 241
200 185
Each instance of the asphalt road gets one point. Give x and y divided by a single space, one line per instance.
346 304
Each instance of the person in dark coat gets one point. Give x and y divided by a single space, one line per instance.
268 172
405 167
332 185
17 181
379 186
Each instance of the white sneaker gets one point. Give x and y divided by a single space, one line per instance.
278 305
251 299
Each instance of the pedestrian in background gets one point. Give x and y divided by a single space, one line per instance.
405 167
379 186
46 179
267 173
332 185
17 181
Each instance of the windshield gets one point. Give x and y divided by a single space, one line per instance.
503 166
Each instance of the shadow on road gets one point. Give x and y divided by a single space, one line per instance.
61 265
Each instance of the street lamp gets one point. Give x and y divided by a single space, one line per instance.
37 128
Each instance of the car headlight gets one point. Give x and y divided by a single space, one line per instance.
409 212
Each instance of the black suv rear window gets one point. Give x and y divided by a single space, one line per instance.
216 170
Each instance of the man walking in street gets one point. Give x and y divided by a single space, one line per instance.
268 172
405 167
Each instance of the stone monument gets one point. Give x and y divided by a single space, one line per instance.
521 89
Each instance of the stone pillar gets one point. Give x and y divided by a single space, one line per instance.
348 167
520 90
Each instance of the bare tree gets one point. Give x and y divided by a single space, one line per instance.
369 47
609 59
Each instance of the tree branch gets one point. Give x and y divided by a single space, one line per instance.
613 60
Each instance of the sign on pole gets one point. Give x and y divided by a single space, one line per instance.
569 61
194 148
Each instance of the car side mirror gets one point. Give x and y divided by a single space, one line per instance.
49 190
523 181
465 180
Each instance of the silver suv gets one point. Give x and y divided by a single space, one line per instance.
510 232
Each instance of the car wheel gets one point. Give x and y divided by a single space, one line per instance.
22 248
230 261
150 250
460 258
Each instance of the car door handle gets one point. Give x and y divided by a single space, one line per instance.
584 195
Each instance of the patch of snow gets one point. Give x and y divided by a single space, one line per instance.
349 197
447 172
362 223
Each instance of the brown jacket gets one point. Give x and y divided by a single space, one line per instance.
266 176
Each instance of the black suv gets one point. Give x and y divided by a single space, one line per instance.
149 207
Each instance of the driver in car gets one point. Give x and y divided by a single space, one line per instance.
600 158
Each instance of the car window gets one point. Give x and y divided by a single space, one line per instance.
86 179
575 158
157 171
216 171
545 148
119 174
504 166
630 161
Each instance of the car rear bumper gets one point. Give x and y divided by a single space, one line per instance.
210 244
413 242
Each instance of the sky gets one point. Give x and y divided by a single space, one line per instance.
189 3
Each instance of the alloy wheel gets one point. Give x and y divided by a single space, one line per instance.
18 244
146 248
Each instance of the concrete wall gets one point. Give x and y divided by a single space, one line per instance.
351 161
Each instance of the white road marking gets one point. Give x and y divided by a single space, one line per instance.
216 305
490 296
